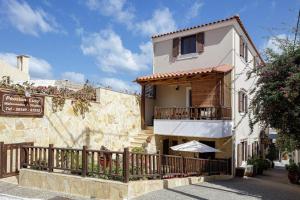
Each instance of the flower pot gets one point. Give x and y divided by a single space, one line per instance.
293 177
259 171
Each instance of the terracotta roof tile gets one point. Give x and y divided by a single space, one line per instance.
178 74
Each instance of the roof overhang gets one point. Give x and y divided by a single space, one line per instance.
221 69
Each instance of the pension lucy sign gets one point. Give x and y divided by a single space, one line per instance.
19 105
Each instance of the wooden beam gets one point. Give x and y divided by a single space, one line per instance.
181 80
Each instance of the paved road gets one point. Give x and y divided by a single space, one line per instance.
273 185
9 191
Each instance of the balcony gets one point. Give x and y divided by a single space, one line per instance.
193 113
207 122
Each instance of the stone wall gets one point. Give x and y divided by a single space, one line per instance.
113 121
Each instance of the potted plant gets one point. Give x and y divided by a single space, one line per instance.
260 164
293 172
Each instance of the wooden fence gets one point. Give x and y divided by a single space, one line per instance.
117 165
10 158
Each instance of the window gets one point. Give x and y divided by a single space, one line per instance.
243 102
243 49
188 44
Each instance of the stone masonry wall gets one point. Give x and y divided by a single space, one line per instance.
113 121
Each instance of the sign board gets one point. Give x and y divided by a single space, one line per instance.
18 105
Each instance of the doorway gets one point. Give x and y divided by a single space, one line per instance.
166 146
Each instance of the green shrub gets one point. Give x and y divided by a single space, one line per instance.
293 167
138 150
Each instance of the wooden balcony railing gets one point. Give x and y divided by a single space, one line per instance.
117 165
193 113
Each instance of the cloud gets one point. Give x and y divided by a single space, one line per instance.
194 10
27 20
38 68
111 56
161 21
120 85
274 42
113 8
74 77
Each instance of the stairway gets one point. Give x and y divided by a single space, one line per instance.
141 138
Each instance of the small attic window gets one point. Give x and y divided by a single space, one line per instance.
188 44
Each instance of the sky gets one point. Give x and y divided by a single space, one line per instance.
108 42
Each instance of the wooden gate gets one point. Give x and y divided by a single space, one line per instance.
10 158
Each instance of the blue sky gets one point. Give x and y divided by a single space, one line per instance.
109 41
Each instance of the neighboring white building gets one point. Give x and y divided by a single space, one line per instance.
58 83
199 89
16 74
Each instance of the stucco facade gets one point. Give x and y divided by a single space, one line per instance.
218 50
221 46
16 74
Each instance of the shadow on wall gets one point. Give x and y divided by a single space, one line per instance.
66 137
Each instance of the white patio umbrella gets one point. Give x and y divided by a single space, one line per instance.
194 146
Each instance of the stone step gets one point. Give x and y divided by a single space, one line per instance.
139 139
149 128
147 131
136 143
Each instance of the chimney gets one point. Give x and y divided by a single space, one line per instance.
23 63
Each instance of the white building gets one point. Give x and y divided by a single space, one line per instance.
16 74
199 89
57 83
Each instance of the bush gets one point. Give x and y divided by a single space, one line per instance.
293 168
138 150
294 172
258 163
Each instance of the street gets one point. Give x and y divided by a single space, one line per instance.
272 185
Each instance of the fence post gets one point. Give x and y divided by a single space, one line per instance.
182 166
84 161
1 159
159 164
50 158
209 167
126 165
22 156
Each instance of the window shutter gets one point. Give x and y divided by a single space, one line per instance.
200 42
246 53
246 103
239 155
246 151
254 61
241 47
175 51
240 100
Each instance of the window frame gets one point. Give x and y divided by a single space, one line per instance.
242 101
244 45
181 45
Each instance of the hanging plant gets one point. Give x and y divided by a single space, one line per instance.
81 106
82 97
58 103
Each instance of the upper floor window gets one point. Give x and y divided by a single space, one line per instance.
243 49
188 44
243 101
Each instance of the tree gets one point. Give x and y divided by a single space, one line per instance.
276 101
